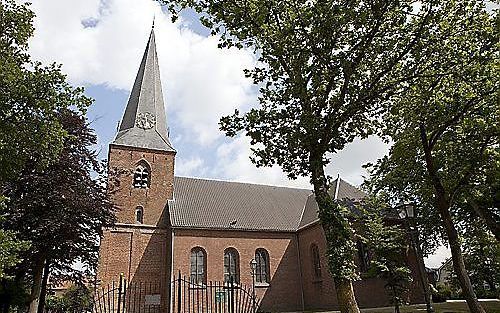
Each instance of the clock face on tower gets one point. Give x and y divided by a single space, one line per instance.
145 120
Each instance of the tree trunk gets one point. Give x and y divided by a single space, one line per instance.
43 292
37 284
489 218
345 296
443 205
457 257
338 237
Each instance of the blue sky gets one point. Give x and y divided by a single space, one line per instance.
100 44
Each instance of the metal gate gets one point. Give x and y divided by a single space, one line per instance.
131 297
185 297
213 297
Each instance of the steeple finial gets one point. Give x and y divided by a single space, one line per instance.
144 124
153 26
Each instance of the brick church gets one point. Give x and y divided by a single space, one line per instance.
210 230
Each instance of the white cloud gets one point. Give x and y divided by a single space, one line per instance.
188 167
201 82
101 43
233 163
438 257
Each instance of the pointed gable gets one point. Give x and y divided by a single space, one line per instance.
144 124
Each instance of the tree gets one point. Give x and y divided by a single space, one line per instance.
388 243
78 298
481 258
45 161
10 246
325 66
445 125
62 208
30 96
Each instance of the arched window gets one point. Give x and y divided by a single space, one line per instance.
139 215
262 268
198 266
231 265
142 175
316 261
363 256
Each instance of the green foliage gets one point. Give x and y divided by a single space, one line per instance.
445 124
387 240
445 129
324 69
78 298
442 293
10 246
31 95
482 260
62 208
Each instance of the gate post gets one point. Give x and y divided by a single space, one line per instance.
231 290
179 293
120 292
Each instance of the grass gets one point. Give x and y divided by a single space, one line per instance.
445 307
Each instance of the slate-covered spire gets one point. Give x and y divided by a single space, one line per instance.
144 124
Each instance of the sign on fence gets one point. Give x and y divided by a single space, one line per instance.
220 296
152 299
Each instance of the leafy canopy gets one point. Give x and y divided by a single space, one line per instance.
31 95
445 124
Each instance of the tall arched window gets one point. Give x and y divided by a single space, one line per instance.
231 265
316 261
262 268
198 266
363 256
139 215
142 175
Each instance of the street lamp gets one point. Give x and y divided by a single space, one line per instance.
253 267
409 215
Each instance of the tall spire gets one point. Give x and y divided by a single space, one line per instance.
144 124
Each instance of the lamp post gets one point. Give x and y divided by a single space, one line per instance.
409 214
253 267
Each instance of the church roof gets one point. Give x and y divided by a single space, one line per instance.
345 191
144 123
213 204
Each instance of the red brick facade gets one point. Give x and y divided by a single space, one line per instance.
140 251
154 251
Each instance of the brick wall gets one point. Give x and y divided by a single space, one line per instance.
140 251
283 292
320 293
124 160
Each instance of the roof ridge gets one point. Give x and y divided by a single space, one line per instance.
242 183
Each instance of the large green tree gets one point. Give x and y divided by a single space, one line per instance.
32 99
324 68
445 127
30 96
60 209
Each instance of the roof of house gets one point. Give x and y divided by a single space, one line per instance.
144 122
214 204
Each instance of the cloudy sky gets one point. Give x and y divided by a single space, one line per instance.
100 44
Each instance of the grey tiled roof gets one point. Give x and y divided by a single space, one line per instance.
145 104
212 204
346 192
202 203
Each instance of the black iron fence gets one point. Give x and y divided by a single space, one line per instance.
212 297
180 296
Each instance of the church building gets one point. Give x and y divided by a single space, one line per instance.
211 230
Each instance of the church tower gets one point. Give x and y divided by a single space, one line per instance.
141 174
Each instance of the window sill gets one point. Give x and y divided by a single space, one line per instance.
196 287
261 285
